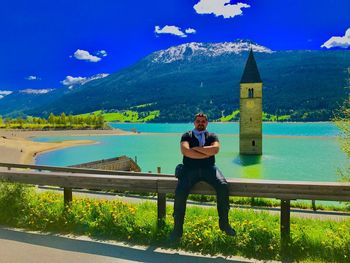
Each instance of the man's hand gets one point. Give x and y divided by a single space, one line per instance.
191 153
208 150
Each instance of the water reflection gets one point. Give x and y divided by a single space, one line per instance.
247 160
250 166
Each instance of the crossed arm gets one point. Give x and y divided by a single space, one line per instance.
199 152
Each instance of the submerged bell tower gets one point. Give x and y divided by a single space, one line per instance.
250 106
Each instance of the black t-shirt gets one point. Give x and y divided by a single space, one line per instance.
193 142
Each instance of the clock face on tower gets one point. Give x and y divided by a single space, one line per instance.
250 104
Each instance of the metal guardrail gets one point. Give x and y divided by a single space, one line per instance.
70 178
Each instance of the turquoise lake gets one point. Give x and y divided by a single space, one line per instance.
291 151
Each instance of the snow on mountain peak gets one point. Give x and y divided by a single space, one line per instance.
188 50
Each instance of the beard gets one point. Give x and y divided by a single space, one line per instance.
200 128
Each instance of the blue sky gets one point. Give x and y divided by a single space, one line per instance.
45 44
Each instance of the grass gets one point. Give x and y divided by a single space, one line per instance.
126 115
230 117
268 202
234 116
258 232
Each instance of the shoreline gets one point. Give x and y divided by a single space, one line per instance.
218 122
16 146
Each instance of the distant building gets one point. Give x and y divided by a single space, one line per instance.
121 163
250 123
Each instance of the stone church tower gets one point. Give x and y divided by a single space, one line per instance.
250 106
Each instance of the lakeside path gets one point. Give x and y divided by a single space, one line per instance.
16 146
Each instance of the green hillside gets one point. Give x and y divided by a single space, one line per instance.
125 115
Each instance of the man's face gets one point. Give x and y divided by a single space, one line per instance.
200 123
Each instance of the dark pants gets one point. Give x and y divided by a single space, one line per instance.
213 176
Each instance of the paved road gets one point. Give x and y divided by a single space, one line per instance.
17 246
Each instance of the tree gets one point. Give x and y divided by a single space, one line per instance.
20 121
51 118
70 119
88 120
100 121
63 119
342 120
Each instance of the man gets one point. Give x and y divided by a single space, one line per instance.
199 148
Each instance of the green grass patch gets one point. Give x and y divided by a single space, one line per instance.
258 232
269 202
272 117
126 115
234 116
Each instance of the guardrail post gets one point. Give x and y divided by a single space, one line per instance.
67 195
285 231
161 205
314 205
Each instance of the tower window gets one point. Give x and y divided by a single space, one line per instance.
253 143
251 93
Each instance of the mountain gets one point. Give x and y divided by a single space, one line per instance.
182 80
190 50
19 103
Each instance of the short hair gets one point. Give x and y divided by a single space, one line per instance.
201 114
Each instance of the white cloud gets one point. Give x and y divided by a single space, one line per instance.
173 30
190 31
33 78
36 91
220 8
85 55
102 53
4 93
343 41
71 81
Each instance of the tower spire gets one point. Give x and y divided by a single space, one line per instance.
251 72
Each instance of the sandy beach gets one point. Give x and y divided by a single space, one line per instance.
16 146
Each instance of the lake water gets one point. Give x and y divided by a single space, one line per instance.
291 151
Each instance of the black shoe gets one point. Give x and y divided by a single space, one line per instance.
175 236
228 230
